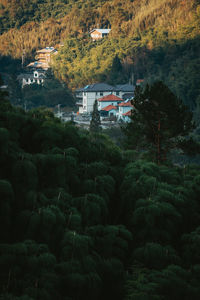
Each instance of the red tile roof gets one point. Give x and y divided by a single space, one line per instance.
140 81
128 113
109 98
126 104
109 107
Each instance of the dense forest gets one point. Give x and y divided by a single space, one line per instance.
153 39
82 218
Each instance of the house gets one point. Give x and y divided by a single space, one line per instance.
90 93
36 77
43 58
125 110
139 82
109 111
108 100
86 96
97 34
45 55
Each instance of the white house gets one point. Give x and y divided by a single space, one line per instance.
90 93
97 34
86 96
36 77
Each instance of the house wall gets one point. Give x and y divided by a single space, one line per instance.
31 81
89 99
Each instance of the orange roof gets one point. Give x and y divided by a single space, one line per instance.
126 104
109 107
140 80
109 98
128 113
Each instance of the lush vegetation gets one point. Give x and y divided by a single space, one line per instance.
153 39
80 217
159 122
84 219
50 94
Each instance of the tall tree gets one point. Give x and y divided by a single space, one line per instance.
159 121
95 123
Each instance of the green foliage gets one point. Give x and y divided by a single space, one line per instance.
82 219
50 94
160 119
95 123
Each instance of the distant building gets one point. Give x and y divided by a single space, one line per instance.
97 34
43 58
86 96
36 77
139 81
90 93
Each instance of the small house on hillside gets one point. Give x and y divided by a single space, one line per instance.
86 96
43 58
90 93
97 34
36 77
139 81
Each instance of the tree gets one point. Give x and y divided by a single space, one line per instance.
95 123
159 121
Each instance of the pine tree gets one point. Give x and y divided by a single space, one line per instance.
95 123
159 121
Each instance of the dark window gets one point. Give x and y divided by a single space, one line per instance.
101 93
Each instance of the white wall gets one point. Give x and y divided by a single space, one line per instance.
89 99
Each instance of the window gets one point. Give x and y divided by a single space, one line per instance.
84 93
101 93
117 93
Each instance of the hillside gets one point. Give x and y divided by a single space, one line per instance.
82 219
153 39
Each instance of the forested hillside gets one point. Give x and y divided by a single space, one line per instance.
82 219
154 39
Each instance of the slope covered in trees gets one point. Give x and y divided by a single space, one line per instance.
83 219
153 39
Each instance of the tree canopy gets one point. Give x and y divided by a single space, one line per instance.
159 120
